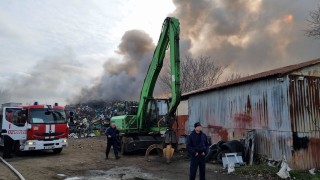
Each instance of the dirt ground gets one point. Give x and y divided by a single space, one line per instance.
85 159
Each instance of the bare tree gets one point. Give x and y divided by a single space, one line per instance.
314 23
196 73
234 76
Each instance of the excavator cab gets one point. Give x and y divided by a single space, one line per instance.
157 109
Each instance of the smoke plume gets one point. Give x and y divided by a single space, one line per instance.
50 80
248 35
122 78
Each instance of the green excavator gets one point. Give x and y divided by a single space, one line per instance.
152 124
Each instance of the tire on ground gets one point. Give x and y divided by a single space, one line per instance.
122 149
220 155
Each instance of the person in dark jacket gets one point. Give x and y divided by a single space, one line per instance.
113 134
197 146
7 141
8 146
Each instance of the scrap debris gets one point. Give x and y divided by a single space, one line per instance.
232 158
92 118
231 168
312 171
244 147
284 171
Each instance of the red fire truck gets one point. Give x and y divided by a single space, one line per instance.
33 127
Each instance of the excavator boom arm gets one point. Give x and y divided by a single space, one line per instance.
169 36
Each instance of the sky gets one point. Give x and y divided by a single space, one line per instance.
76 51
80 35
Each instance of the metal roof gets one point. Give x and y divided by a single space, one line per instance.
275 72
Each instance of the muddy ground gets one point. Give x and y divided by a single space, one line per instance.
85 159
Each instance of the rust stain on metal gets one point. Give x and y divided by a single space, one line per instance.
181 124
265 110
314 148
248 105
243 118
214 127
223 133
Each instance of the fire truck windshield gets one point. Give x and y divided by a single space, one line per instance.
47 116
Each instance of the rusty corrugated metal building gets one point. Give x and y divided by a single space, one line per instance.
282 105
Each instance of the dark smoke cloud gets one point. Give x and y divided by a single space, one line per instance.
248 35
123 78
50 80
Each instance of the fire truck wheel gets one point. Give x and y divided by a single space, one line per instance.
8 146
16 148
57 151
221 154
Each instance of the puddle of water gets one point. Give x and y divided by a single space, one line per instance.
74 178
118 173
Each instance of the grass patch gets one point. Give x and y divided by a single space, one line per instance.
262 171
304 175
267 172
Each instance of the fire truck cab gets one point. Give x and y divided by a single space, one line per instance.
33 127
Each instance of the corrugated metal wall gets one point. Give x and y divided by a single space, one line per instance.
182 118
264 105
180 125
182 108
304 98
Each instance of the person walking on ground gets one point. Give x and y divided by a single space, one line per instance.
7 141
112 134
197 146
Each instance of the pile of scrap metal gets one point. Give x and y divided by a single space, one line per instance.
85 119
243 147
88 128
92 118
99 123
79 128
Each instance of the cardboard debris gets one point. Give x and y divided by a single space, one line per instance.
231 168
234 158
312 171
284 170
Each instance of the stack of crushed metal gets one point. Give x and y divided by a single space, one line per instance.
92 118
